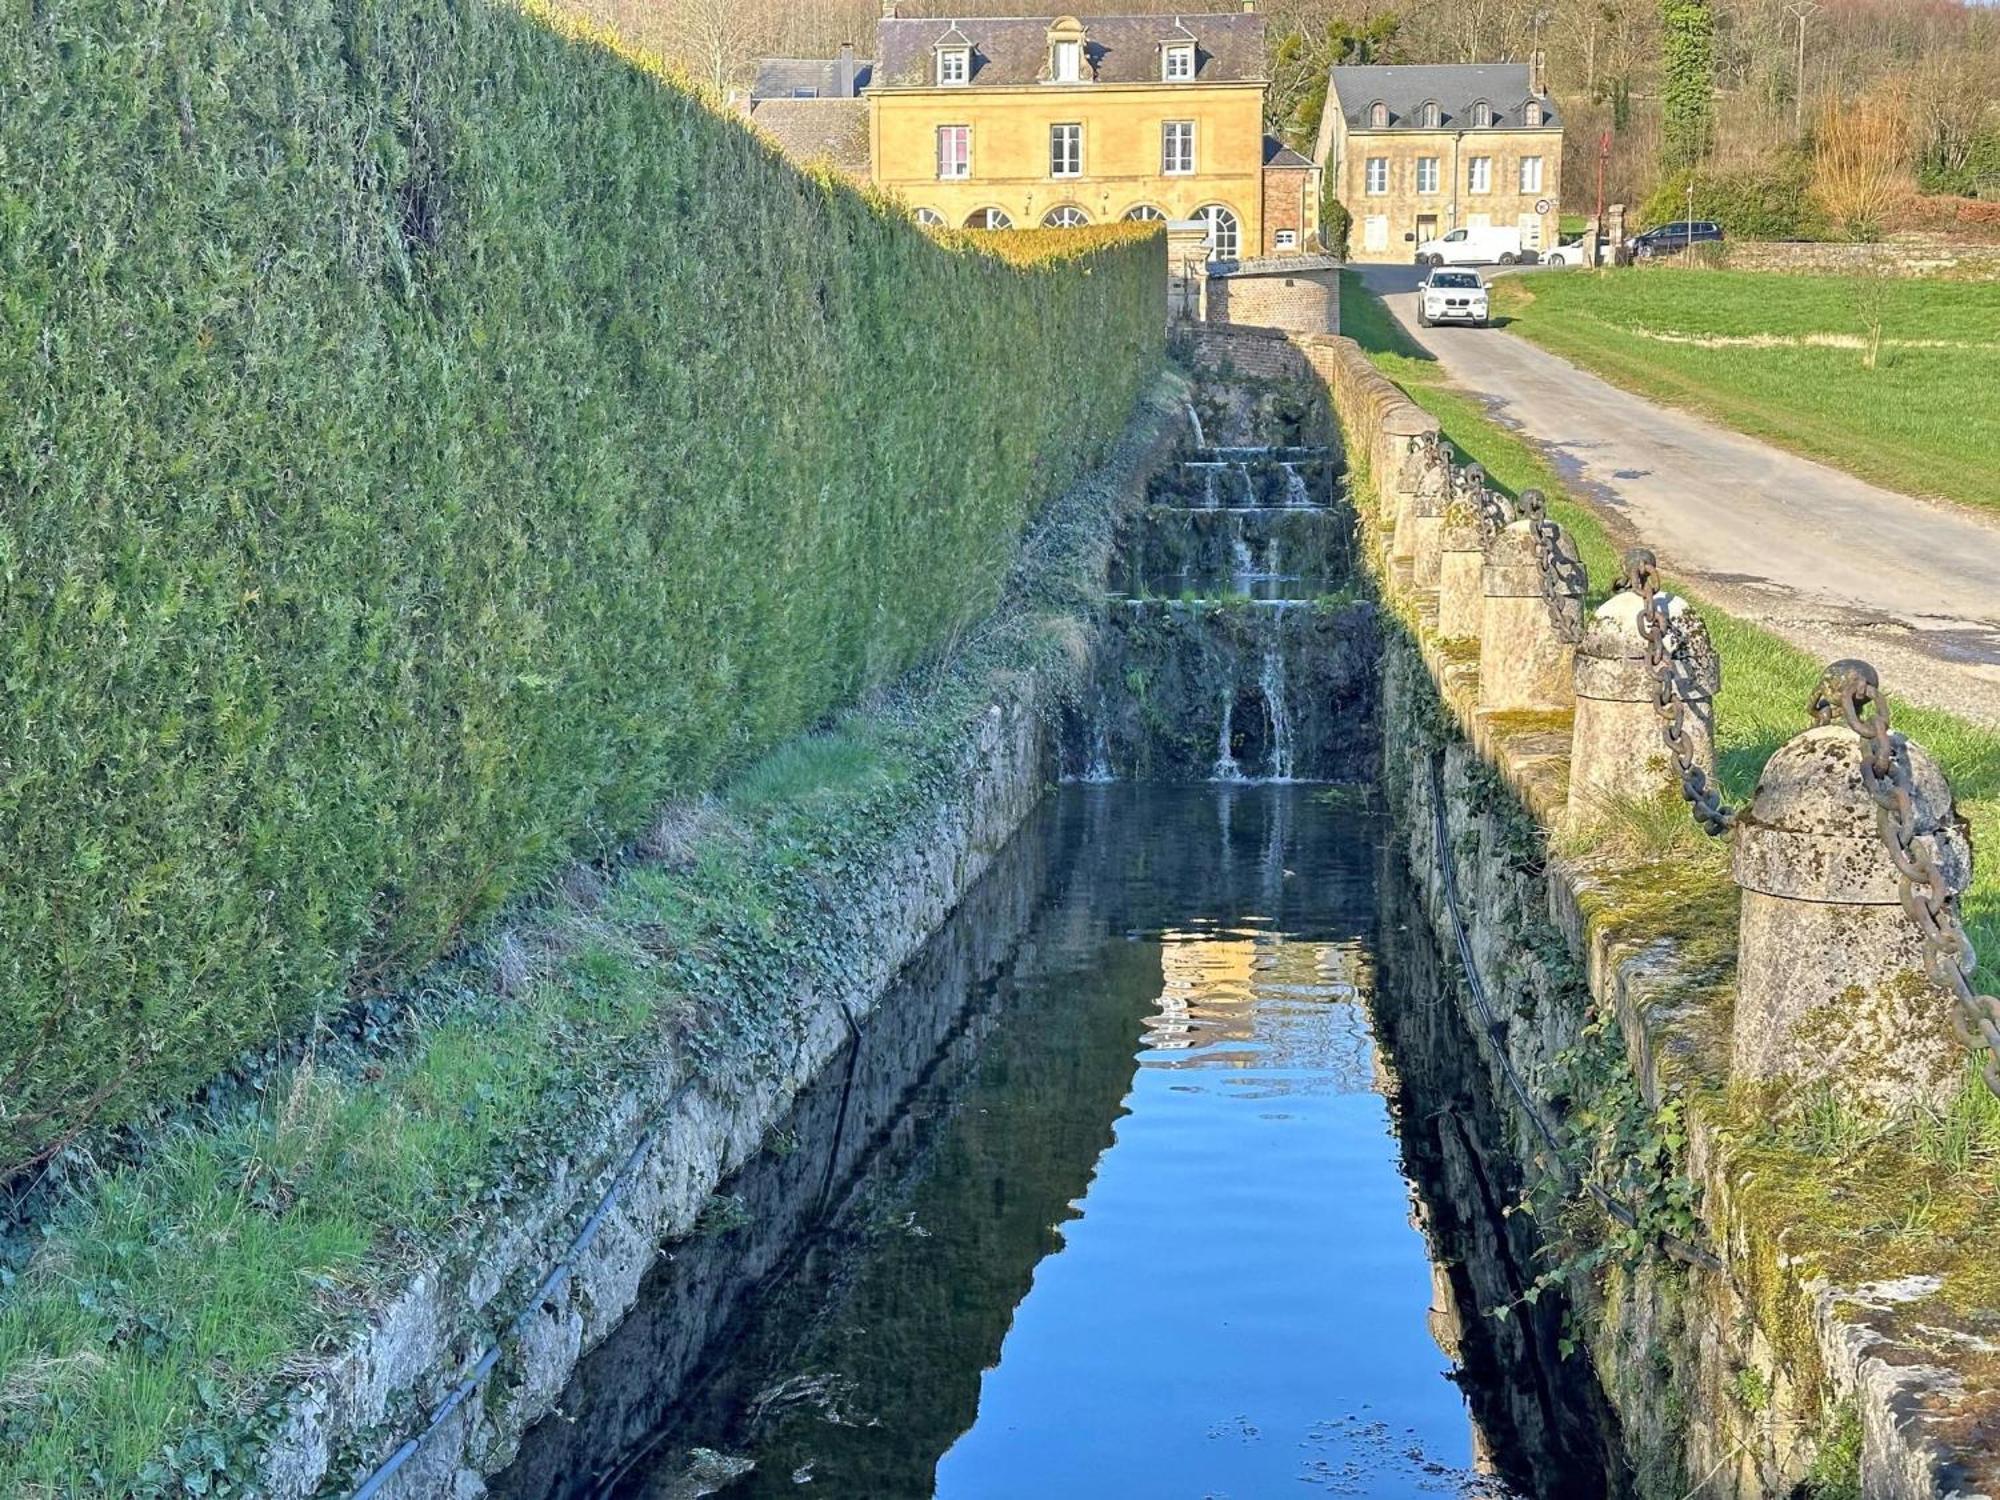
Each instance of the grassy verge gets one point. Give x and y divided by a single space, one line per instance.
1765 680
1786 358
148 1335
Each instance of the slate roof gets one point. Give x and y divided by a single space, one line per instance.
1014 50
1456 87
1278 154
782 77
833 131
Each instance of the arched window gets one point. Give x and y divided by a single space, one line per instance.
930 218
1531 114
1482 114
1065 216
1431 115
990 218
1378 116
1222 235
1144 213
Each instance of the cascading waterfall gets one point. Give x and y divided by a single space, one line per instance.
1226 767
1099 771
1194 421
1271 681
1295 486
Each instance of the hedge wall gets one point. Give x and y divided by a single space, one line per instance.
426 441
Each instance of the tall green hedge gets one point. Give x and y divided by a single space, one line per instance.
426 441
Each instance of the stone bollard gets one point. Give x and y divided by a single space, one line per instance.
1527 634
1461 568
1406 431
1619 749
1422 513
1832 983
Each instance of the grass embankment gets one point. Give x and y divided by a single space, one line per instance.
1923 1196
427 441
1785 358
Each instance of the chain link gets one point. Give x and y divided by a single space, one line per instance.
1670 695
1490 505
1844 692
1562 569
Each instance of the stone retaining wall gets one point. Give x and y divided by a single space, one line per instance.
1964 259
1727 1381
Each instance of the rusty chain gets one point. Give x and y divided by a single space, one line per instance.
1490 505
1561 568
1847 688
1656 628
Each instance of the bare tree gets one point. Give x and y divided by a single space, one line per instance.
1861 159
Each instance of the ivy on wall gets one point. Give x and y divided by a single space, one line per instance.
428 440
1687 82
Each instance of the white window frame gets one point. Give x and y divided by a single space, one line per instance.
1431 115
982 218
1378 116
930 218
1531 114
1286 239
1531 174
1479 174
1144 213
1209 213
1066 62
1177 63
961 159
1066 163
1374 231
1375 176
1076 216
954 66
1482 115
1177 163
1428 174
805 92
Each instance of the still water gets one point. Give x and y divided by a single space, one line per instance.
1110 1202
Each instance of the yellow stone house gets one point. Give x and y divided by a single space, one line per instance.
1022 121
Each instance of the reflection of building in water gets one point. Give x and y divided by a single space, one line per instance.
1251 999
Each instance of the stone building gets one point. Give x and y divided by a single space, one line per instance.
1412 152
1016 122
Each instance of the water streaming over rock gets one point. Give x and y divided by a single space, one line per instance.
1234 649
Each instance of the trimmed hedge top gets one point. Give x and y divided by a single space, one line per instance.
426 442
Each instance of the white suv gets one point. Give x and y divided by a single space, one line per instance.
1454 296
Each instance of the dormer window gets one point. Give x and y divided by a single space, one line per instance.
1482 114
1378 116
954 66
1431 115
1177 62
1531 112
1066 50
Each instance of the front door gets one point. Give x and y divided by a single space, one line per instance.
1427 228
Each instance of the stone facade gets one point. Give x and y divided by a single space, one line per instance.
1899 257
1407 154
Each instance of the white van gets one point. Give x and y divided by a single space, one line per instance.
1472 247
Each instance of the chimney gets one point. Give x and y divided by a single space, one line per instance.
1538 63
888 10
1249 6
843 72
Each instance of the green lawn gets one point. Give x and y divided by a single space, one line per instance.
1765 680
1784 358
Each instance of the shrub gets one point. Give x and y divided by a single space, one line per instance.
1336 226
1860 162
428 441
1772 201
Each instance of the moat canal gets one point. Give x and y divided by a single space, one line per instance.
1109 1200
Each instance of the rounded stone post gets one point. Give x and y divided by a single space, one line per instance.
1461 568
1422 513
1832 987
1526 636
1619 750
1406 432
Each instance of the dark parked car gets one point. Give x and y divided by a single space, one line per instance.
1672 239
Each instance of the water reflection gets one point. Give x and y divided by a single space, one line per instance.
1129 1220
